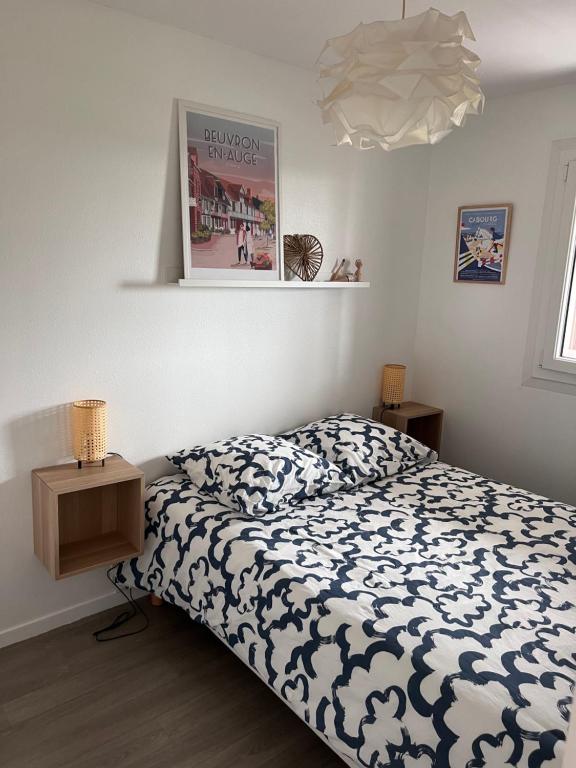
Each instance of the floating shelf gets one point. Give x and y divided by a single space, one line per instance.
266 284
89 517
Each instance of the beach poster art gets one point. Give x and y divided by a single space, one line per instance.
482 244
229 189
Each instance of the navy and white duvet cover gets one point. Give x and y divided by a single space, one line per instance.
425 621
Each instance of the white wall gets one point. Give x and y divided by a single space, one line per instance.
471 340
89 234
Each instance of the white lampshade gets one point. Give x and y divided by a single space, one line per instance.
396 83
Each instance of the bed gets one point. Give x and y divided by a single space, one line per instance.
423 620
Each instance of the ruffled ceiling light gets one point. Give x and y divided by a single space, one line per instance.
392 84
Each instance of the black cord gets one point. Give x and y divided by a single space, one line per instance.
123 617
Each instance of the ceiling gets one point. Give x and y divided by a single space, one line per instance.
523 44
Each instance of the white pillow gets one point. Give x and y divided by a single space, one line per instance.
256 474
363 449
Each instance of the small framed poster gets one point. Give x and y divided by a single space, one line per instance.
482 240
229 191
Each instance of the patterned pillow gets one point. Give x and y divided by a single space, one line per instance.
256 474
365 450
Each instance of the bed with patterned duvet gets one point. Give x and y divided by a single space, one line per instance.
413 614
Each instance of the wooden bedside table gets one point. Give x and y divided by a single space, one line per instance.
422 422
85 518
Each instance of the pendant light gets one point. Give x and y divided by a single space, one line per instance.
392 84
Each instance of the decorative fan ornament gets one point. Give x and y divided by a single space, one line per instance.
303 255
393 84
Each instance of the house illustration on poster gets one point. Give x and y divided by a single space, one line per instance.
218 204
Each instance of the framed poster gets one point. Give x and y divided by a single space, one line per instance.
482 240
229 190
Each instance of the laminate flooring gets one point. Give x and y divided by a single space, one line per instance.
170 697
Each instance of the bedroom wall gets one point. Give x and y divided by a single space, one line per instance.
90 237
471 340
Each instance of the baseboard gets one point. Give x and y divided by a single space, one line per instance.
58 618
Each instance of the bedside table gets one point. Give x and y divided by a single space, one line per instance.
85 518
422 422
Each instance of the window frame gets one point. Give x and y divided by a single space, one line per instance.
568 311
546 367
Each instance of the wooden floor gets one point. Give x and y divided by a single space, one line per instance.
172 696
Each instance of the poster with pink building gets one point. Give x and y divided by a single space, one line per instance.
229 190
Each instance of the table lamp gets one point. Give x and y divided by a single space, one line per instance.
89 431
393 377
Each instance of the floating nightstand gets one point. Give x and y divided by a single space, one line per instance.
422 422
86 518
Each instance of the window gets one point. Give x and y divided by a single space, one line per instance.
559 352
568 335
554 354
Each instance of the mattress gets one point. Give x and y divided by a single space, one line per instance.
424 621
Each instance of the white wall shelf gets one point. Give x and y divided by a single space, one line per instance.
266 284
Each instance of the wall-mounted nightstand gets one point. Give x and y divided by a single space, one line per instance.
89 517
422 422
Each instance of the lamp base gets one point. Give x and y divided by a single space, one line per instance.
81 463
390 406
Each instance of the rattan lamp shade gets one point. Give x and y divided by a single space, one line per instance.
393 378
89 430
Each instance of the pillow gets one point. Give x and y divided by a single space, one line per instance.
256 474
365 450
